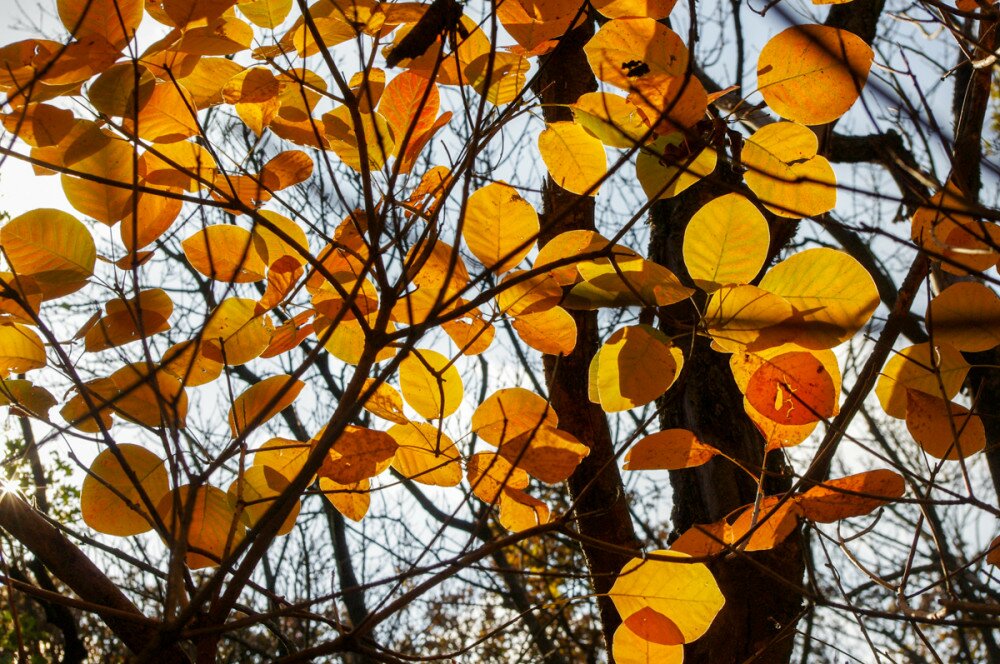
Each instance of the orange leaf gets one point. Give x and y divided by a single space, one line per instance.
671 449
849 496
944 429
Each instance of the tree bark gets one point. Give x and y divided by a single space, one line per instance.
596 486
760 610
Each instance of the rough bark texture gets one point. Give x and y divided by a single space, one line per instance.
759 611
596 486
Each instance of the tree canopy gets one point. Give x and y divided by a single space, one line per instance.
357 313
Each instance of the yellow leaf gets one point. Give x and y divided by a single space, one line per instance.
385 402
283 455
472 333
426 454
187 361
262 401
552 331
21 350
204 520
575 159
25 398
506 80
510 412
207 80
358 454
630 648
519 511
745 364
20 297
725 242
747 317
168 115
670 449
667 167
849 496
944 429
569 245
114 20
111 502
149 396
813 73
500 227
436 268
767 525
625 49
611 118
546 453
489 474
785 172
255 490
225 252
276 236
625 281
687 594
967 316
255 94
625 8
351 500
833 295
635 366
430 384
528 296
938 371
376 137
52 247
669 103
265 13
130 320
149 216
234 334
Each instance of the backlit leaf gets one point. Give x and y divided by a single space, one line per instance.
938 371
213 528
611 118
966 315
785 172
519 511
546 453
21 350
351 500
635 366
262 401
358 454
667 166
575 159
385 402
850 496
500 227
129 320
430 384
687 594
426 454
52 247
630 648
111 502
813 73
725 242
944 429
833 295
670 449
255 490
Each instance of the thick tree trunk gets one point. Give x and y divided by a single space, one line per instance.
596 486
756 621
